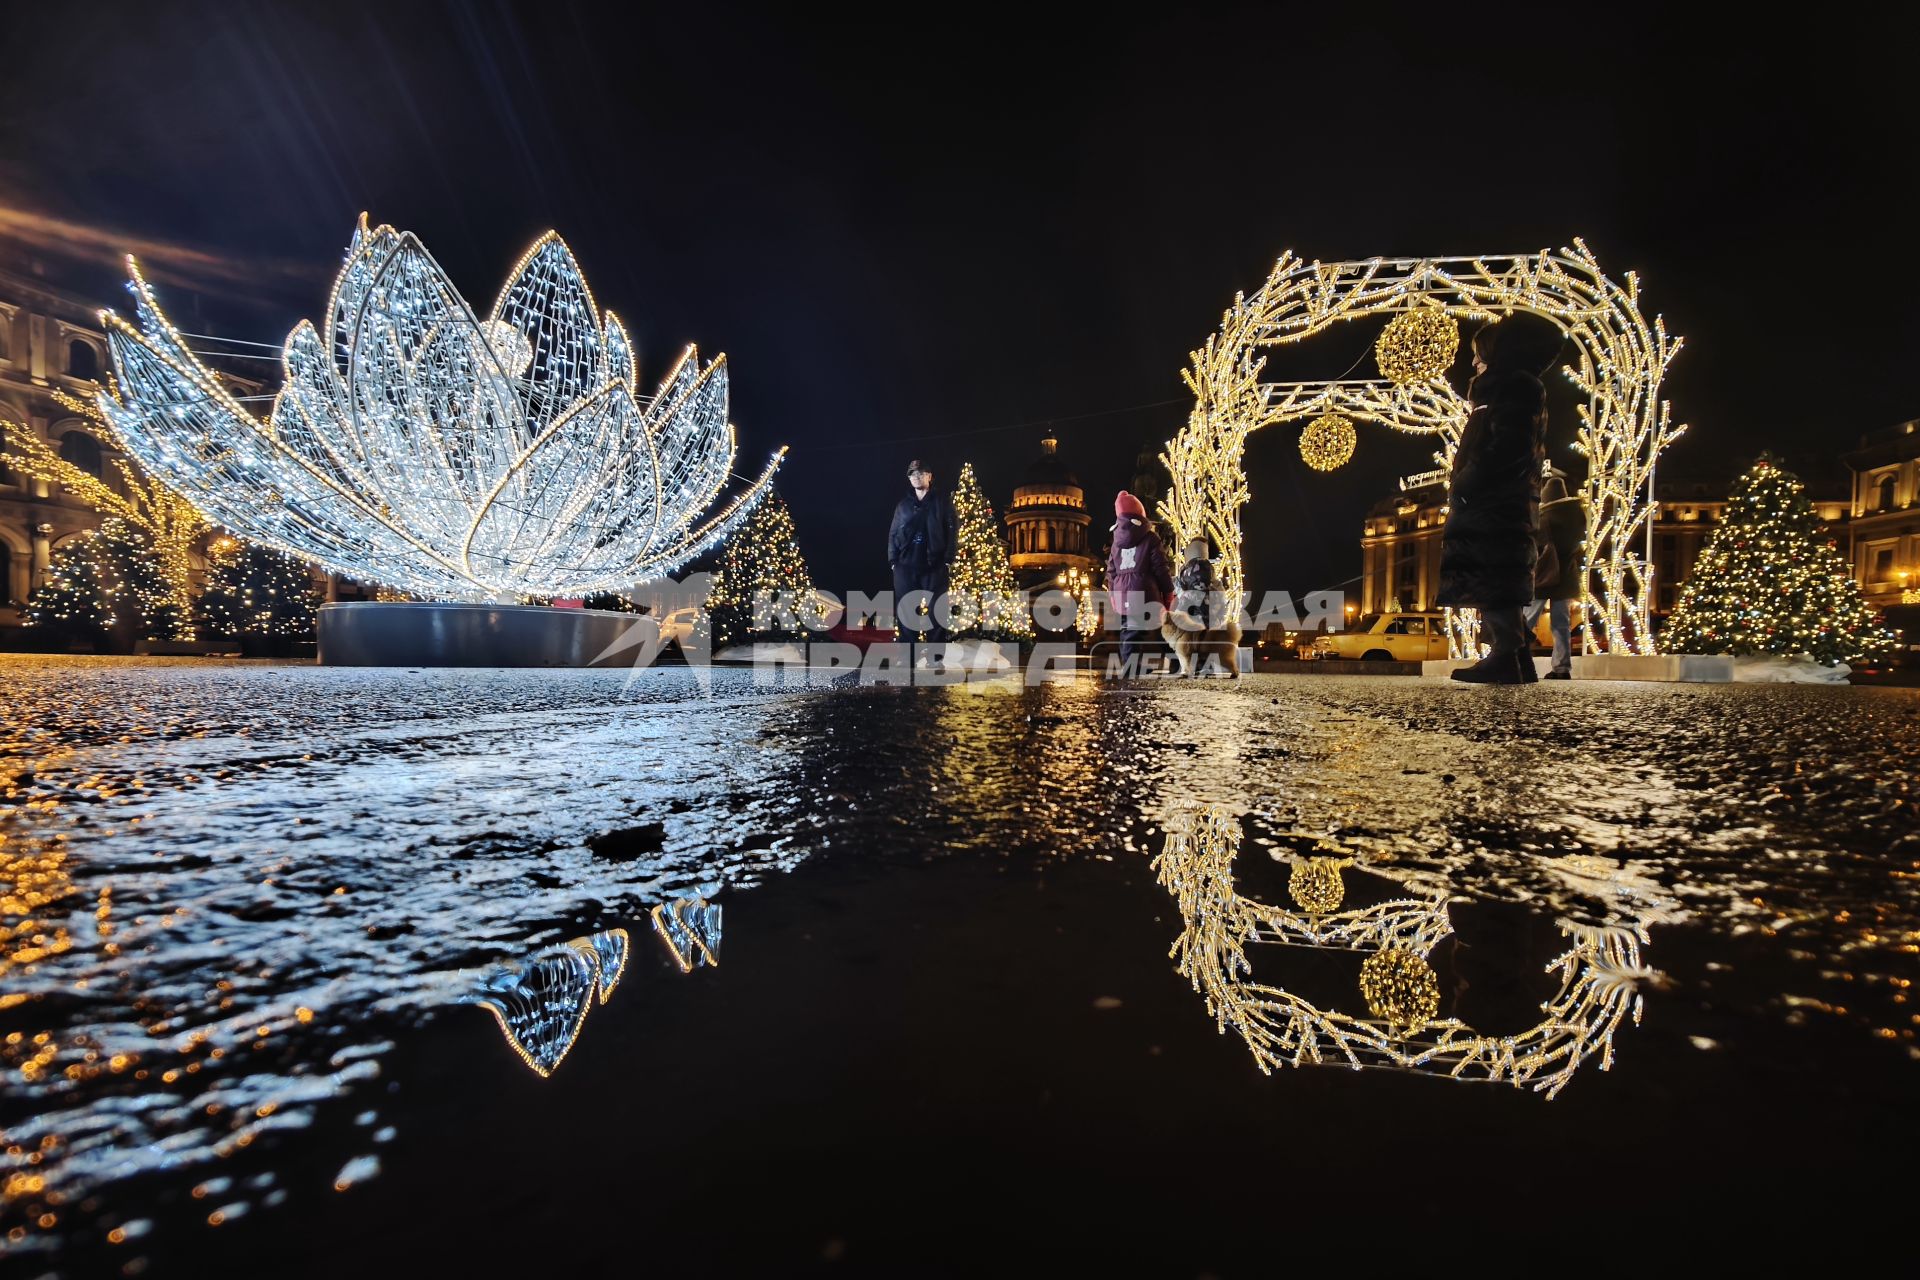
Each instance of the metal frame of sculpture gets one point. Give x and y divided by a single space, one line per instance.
1619 362
418 446
1600 973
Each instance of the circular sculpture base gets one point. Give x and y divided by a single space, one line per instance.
479 635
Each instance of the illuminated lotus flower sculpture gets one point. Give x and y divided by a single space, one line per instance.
418 445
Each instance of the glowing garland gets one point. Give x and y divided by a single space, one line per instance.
1599 974
1328 442
1619 361
418 446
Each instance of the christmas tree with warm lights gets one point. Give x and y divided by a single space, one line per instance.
162 523
257 591
762 572
1771 582
108 586
983 597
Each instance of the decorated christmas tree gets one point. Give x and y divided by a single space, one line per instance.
1771 581
256 591
109 586
762 590
984 599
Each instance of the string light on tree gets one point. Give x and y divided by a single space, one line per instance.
419 446
1327 442
109 584
1770 581
257 591
1417 346
763 591
167 524
984 599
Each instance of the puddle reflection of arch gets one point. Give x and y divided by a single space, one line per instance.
1600 972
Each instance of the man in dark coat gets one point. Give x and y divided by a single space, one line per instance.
922 542
1487 548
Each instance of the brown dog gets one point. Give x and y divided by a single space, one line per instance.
1201 627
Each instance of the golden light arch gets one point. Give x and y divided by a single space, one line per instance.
1618 360
1602 971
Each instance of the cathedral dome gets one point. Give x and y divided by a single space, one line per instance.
1047 521
1049 470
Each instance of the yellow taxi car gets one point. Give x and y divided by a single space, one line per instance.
1388 637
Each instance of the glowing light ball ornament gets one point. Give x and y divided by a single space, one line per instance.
1328 442
1417 346
1315 885
419 445
1400 989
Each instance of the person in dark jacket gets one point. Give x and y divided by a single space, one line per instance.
1487 549
1563 526
922 542
1138 576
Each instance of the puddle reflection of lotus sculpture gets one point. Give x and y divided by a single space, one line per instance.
542 1002
418 445
1600 973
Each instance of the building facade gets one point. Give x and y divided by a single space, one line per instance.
1400 551
1886 515
1400 542
1047 522
50 340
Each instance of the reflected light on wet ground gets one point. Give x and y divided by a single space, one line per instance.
235 895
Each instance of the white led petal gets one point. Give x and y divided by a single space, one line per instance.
623 363
417 445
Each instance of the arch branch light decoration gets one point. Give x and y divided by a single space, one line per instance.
1602 972
418 445
1619 359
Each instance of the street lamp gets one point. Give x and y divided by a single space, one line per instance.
1079 585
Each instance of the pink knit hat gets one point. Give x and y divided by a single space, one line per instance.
1128 505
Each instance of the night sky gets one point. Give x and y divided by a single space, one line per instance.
934 237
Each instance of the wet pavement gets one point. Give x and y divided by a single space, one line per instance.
288 950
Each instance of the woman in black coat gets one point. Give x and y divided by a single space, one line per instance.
1486 549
